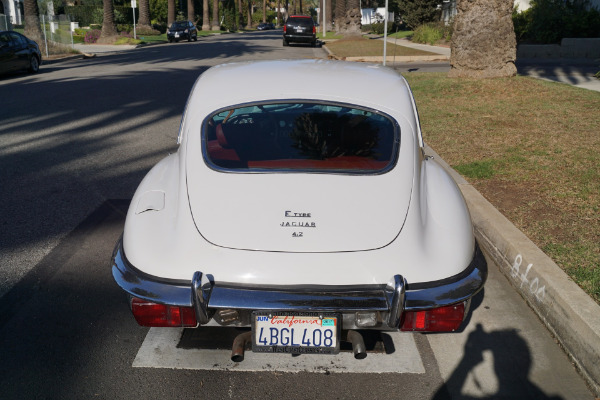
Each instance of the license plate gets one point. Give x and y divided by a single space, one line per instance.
296 332
176 34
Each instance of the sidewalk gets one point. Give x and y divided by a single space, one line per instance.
566 310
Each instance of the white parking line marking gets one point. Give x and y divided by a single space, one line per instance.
160 350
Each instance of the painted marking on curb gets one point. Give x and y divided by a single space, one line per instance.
160 350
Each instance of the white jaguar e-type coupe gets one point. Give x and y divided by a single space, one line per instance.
301 204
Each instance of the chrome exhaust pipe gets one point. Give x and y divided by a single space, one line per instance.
358 344
239 346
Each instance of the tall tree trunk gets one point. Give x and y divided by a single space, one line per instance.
240 13
329 14
301 12
191 14
249 15
205 19
170 12
294 11
483 42
216 24
279 12
264 11
352 19
32 20
144 20
340 14
109 29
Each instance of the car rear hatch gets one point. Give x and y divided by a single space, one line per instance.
354 195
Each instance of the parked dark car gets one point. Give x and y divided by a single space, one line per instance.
299 29
181 30
17 52
265 26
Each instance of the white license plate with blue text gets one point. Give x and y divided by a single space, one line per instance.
296 332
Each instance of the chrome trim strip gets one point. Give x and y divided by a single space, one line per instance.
140 286
206 295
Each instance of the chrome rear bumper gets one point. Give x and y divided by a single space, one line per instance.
207 296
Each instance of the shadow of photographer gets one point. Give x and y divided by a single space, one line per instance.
512 362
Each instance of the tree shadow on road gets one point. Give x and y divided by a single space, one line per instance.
512 363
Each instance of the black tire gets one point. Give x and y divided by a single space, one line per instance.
170 40
34 64
196 38
285 42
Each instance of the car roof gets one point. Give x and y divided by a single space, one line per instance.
369 85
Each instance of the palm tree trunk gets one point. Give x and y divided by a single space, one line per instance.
329 14
249 15
264 11
340 14
109 29
216 25
205 19
170 12
144 13
32 20
240 13
483 42
191 11
353 17
279 12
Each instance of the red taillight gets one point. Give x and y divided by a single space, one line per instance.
284 29
147 313
314 29
443 319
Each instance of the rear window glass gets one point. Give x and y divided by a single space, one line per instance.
305 22
300 136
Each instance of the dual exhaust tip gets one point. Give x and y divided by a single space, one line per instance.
242 340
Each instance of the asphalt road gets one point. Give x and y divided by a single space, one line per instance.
76 140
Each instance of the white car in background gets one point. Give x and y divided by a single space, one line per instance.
300 204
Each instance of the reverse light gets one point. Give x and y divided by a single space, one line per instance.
151 314
443 319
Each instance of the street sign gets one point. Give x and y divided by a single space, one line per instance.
133 4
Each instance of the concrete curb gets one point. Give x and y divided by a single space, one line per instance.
566 310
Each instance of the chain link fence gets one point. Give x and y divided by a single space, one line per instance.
57 31
5 24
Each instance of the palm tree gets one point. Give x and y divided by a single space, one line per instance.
144 20
191 11
249 15
205 19
483 41
279 12
264 11
32 20
170 12
340 14
109 29
353 17
216 26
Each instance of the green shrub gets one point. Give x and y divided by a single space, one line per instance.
428 33
549 21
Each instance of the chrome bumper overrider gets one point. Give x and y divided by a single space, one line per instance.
207 296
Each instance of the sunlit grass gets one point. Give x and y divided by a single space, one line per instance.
532 148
